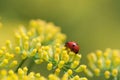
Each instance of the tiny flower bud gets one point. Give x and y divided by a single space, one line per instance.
57 71
76 77
10 72
81 68
24 55
17 50
49 66
13 64
74 64
69 72
61 64
99 53
97 71
108 63
33 52
107 74
114 72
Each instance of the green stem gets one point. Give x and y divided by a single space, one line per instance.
31 62
20 65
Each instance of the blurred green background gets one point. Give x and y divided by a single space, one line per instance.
94 24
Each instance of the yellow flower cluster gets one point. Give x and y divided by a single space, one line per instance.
22 75
7 58
41 42
107 63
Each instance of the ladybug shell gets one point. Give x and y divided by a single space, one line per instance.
73 46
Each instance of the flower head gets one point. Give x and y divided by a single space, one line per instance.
41 42
106 62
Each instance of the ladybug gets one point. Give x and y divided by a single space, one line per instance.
73 46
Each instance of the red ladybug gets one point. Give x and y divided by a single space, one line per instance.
73 46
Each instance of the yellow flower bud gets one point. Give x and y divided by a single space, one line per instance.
65 57
38 61
45 56
114 72
56 57
25 77
108 63
33 23
46 48
37 75
106 54
3 72
115 53
71 56
57 71
8 44
92 57
116 61
52 77
77 57
61 64
88 72
20 72
26 45
81 68
69 72
25 69
76 77
24 55
4 63
58 45
83 79
3 48
49 66
29 33
38 45
65 77
33 52
13 64
31 75
7 55
98 53
100 63
1 52
18 38
57 50
107 74
25 38
97 71
17 50
74 64
10 72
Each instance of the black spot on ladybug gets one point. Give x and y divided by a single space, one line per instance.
73 45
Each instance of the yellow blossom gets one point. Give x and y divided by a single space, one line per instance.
57 71
107 74
97 72
40 42
114 72
49 66
61 64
